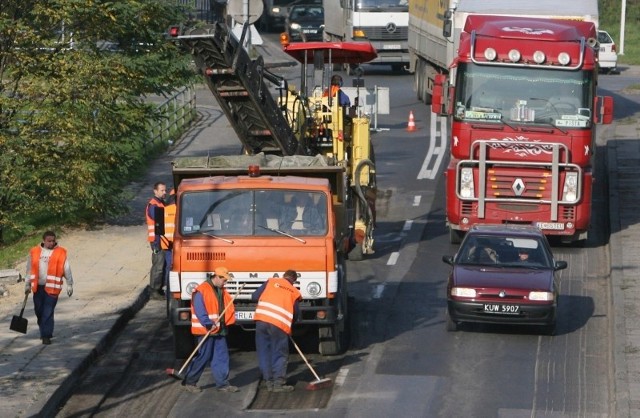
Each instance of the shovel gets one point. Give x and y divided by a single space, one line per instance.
18 323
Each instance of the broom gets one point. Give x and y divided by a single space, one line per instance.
178 375
318 383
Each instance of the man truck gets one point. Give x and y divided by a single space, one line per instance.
517 83
301 196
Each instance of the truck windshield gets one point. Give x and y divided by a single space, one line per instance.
253 213
382 5
525 95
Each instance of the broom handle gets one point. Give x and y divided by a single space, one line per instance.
186 363
304 358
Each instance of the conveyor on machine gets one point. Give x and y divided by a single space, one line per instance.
239 83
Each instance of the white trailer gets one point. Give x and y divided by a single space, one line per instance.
435 26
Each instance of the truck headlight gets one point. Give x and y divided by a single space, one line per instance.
314 288
466 183
295 26
570 190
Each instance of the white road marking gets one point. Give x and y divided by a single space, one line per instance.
378 290
341 376
393 258
436 151
407 225
416 200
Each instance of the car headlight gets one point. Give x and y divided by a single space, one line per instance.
466 182
463 292
570 190
546 296
295 26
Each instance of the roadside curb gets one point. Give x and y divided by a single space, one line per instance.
50 408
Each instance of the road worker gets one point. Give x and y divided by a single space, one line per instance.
156 275
208 301
277 307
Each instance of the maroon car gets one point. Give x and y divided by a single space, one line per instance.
503 274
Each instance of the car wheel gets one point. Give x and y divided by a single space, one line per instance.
452 326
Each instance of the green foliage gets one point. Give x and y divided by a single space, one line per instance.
73 125
610 18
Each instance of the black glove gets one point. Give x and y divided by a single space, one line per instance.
209 327
155 248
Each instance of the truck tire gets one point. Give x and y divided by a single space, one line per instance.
455 236
334 339
183 342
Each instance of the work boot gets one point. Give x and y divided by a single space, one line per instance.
228 388
46 340
192 388
281 388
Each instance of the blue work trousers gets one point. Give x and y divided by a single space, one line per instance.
44 304
214 352
272 345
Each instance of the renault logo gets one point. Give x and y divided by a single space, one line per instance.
391 27
518 187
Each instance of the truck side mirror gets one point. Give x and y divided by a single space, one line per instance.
438 96
603 110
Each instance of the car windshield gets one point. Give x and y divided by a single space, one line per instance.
504 251
534 96
307 12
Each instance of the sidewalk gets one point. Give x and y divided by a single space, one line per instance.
111 267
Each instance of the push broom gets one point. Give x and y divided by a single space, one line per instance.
178 375
318 383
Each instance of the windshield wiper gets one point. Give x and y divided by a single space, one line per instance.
282 233
208 233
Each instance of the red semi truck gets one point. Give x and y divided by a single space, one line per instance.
521 102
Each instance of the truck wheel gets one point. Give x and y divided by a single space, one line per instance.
183 343
334 339
356 254
455 236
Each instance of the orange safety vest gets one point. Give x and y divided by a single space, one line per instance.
334 90
211 305
55 270
166 240
151 223
276 304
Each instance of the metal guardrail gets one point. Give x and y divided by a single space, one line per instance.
178 111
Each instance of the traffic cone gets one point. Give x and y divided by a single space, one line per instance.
411 126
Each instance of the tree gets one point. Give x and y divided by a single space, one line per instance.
72 116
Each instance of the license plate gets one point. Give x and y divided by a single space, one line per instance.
391 46
501 309
556 226
244 315
310 31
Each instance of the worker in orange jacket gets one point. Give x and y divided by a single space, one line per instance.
277 307
156 274
47 266
208 301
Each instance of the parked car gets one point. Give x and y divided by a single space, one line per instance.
607 54
503 274
305 22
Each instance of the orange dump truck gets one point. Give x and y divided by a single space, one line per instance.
243 212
